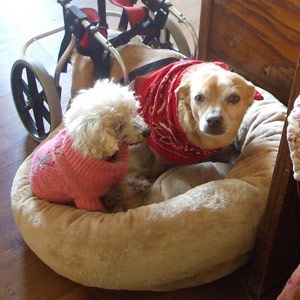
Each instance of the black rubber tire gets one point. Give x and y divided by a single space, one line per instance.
36 98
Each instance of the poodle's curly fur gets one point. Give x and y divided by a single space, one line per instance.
103 118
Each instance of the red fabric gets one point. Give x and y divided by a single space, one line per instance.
85 41
92 14
159 109
136 15
93 17
258 96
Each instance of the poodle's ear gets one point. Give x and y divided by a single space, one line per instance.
183 91
101 141
93 140
109 144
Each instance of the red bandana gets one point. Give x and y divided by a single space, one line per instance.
159 109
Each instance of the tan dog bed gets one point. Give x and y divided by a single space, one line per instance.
204 233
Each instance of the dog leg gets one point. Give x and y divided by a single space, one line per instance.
128 193
141 160
159 166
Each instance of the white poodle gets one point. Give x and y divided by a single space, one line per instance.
91 153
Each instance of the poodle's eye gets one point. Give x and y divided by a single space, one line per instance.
234 98
199 98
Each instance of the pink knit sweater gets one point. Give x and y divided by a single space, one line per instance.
61 174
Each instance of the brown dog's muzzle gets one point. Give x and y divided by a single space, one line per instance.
214 124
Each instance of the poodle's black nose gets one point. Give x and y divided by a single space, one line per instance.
146 132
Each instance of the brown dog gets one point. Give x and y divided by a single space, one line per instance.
193 109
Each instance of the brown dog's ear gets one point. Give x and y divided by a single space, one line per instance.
183 91
250 92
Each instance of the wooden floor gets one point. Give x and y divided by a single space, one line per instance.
22 274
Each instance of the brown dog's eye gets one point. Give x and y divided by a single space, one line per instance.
234 98
199 98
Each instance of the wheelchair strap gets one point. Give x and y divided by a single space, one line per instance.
102 13
140 16
83 43
88 46
148 68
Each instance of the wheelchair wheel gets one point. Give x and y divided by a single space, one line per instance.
36 98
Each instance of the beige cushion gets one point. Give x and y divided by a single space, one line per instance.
198 232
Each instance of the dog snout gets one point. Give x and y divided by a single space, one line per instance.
214 121
146 132
214 124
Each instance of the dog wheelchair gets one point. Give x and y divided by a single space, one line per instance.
37 94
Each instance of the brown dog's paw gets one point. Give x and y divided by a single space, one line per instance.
138 185
108 203
112 198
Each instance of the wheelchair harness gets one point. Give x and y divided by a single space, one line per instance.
140 24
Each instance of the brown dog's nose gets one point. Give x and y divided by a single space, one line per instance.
214 122
146 132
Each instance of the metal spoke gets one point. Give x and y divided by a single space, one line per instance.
24 87
39 121
46 113
26 109
40 98
36 103
33 90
